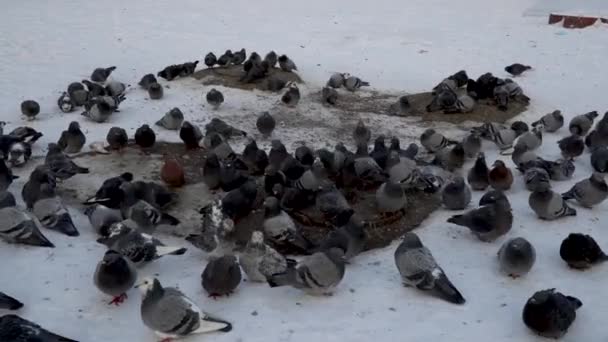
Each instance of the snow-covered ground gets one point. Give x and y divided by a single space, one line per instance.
400 46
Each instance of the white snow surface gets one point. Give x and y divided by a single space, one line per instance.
399 46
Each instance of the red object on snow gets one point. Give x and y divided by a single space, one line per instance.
573 21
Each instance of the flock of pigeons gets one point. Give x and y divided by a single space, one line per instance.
125 213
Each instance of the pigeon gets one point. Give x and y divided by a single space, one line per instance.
271 59
550 313
589 192
172 173
99 110
9 303
353 83
329 96
336 80
390 197
214 98
581 124
171 72
191 135
516 257
418 268
158 195
65 103
410 152
74 86
571 147
52 213
502 137
239 57
170 314
30 108
400 170
221 276
114 276
478 177
138 247
117 138
561 169
549 205
450 158
60 165
361 134
595 140
273 83
94 89
238 203
500 176
254 71
100 75
110 193
31 189
580 251
333 205
115 89
491 220
6 176
145 137
79 97
277 153
281 230
536 178
210 60
531 139
599 159
365 168
260 261
211 171
232 174
456 195
18 227
2 125
19 153
401 107
471 144
72 140
265 124
101 218
292 95
147 80
144 214
551 122
7 199
602 125
433 141
224 129
16 329
225 59
172 120
286 64
380 151
517 69
155 91
316 274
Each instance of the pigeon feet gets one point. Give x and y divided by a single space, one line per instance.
118 300
514 276
168 339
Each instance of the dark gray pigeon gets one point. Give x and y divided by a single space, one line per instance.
333 205
478 176
361 134
221 276
114 276
472 145
30 109
210 60
7 199
492 219
238 203
6 176
239 57
100 75
351 238
292 95
172 120
572 146
145 137
31 189
214 98
271 58
580 251
265 124
110 192
211 171
52 213
98 110
224 129
286 64
581 124
18 227
456 195
418 268
155 91
589 192
191 135
401 107
9 303
516 257
147 80
117 138
329 96
450 158
170 314
19 153
225 59
390 197
599 159
16 329
60 165
517 69
72 87
72 140
550 313
147 216
94 89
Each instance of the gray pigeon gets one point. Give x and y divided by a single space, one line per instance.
140 248
265 124
102 218
260 261
401 107
581 124
211 171
221 127
333 205
221 276
31 189
531 139
117 138
145 215
316 274
18 227
410 152
94 89
114 276
516 257
9 303
472 145
549 205
100 75
561 169
336 80
271 58
280 229
147 80
361 134
433 141
599 159
286 64
72 140
52 213
589 192
273 83
503 137
98 110
60 165
492 219
16 329
450 158
79 97
115 89
172 120
366 168
214 98
418 268
400 170
351 238
478 176
390 197
239 57
329 96
353 83
551 122
456 195
155 91
550 313
65 103
536 178
170 314
30 109
292 95
6 176
7 199
572 146
72 87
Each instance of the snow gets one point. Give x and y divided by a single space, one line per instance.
590 8
395 45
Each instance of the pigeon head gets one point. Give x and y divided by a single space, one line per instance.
493 196
411 240
149 286
271 206
257 238
112 257
520 127
53 148
74 127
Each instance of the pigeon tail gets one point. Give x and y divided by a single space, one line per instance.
209 324
575 301
569 211
568 195
448 291
36 238
169 220
363 83
65 225
9 303
167 250
283 279
460 220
